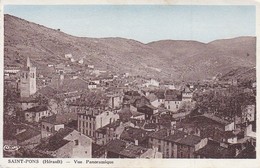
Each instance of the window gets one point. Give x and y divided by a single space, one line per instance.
43 126
169 107
76 142
159 148
47 128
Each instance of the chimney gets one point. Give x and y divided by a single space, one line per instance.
136 142
28 63
168 132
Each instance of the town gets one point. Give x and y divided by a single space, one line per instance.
78 110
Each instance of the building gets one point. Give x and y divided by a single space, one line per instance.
66 143
148 110
176 144
54 123
35 114
92 85
26 103
173 100
214 149
248 113
187 94
68 55
91 120
115 100
27 80
121 149
151 82
154 100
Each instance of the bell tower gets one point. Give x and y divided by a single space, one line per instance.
28 80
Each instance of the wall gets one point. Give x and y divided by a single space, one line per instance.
173 105
105 118
84 147
25 106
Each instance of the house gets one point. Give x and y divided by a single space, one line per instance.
173 100
115 100
151 82
121 149
68 55
66 143
52 124
148 110
91 66
248 113
90 121
164 140
27 137
154 100
20 136
35 114
128 112
168 85
92 85
135 136
28 102
108 132
187 94
176 144
214 149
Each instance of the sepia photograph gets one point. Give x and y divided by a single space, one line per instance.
129 82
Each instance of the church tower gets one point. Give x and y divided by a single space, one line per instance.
28 80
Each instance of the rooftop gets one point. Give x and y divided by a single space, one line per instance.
37 109
133 151
213 149
48 91
115 146
55 141
190 140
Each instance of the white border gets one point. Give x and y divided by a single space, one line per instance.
123 163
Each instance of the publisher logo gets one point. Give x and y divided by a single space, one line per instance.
11 147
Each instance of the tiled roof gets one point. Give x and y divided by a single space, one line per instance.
160 94
216 119
27 134
60 118
214 150
48 92
173 95
152 97
28 100
150 126
160 134
55 141
37 109
133 151
131 134
70 85
115 146
175 136
190 140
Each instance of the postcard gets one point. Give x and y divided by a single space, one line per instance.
136 84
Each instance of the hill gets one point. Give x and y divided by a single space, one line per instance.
171 59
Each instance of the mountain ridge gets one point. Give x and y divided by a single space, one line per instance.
174 59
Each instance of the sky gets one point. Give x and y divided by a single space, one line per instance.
144 23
